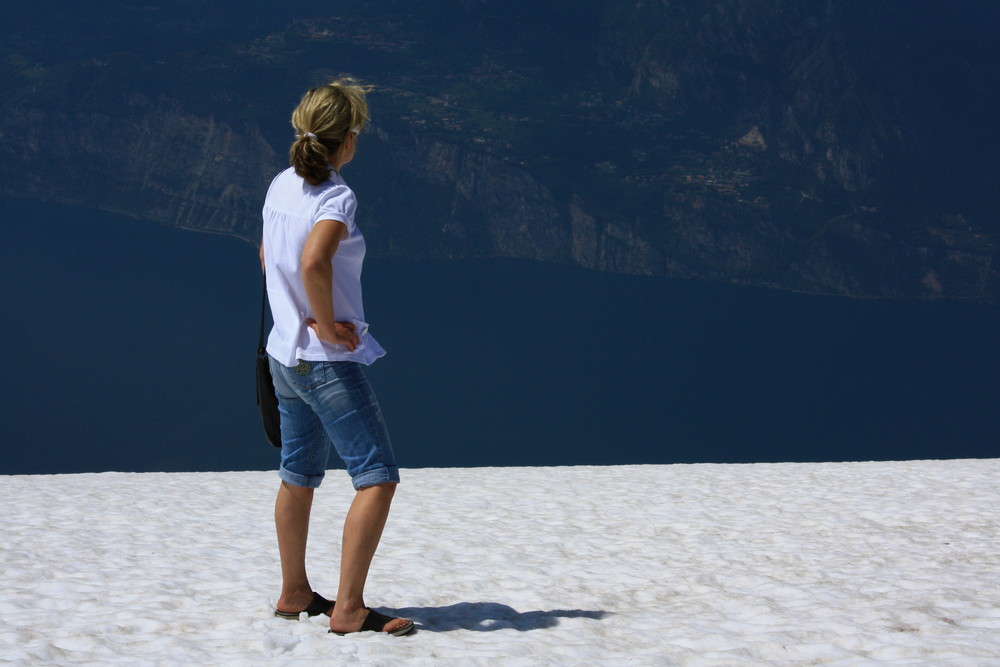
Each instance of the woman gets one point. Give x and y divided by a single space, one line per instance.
312 253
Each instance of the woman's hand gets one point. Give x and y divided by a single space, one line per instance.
343 333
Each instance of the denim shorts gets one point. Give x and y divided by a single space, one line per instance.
324 402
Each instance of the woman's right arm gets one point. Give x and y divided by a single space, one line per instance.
317 278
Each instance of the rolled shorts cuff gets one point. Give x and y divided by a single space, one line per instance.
308 481
377 476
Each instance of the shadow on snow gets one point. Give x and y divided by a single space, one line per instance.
487 616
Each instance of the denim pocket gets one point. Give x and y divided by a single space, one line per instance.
308 375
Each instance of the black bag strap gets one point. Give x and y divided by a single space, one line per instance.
263 305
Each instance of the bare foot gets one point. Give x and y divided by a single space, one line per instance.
343 622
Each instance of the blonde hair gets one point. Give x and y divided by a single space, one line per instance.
322 121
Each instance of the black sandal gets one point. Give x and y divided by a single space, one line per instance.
319 605
375 621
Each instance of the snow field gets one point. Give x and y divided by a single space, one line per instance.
784 564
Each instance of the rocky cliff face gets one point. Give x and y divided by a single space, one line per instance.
798 145
146 158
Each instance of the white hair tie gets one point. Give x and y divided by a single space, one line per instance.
311 135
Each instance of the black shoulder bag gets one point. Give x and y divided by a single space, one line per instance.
266 399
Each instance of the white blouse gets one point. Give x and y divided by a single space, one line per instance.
291 209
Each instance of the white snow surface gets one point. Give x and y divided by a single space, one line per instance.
783 564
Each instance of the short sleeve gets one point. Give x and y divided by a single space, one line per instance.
338 203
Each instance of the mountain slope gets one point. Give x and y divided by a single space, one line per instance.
841 148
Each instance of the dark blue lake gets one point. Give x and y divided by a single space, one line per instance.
130 346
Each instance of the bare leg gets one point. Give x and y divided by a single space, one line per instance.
291 520
362 532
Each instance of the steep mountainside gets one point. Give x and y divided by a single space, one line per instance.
833 147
